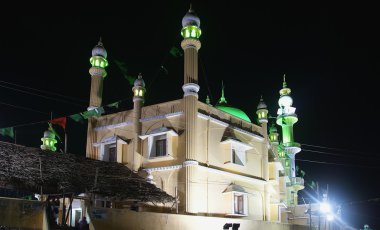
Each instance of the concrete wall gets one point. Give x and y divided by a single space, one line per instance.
125 219
18 213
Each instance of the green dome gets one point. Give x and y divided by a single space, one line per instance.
222 105
234 111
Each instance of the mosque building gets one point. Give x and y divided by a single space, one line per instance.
213 159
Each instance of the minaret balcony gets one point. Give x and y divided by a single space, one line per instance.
297 183
292 147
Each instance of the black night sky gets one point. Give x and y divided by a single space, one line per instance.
330 55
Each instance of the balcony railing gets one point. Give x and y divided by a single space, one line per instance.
297 181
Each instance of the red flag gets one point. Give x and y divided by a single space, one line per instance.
61 121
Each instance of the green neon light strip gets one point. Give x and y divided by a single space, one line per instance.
191 32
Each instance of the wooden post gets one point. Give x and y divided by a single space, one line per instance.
176 200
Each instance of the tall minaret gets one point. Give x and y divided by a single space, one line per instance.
191 44
286 119
98 64
262 114
138 101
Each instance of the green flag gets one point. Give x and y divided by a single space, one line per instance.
7 132
313 185
93 112
53 131
175 52
131 79
114 105
77 117
124 70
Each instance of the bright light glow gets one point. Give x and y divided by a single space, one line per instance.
193 33
285 101
330 217
325 207
140 92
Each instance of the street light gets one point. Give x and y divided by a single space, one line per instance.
330 217
325 207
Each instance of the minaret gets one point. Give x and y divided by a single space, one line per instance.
98 73
138 101
273 134
49 141
98 64
286 119
262 114
190 44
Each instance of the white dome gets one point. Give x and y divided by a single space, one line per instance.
139 81
99 50
285 101
191 19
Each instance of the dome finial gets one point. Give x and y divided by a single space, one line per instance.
222 98
140 76
284 85
191 8
208 102
261 104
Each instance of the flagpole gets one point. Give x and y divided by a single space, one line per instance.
65 142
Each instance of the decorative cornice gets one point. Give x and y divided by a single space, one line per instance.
97 71
122 124
190 89
190 163
164 168
206 117
190 43
113 126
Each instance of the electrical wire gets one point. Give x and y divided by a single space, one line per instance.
44 91
24 108
206 79
341 164
39 95
338 149
339 155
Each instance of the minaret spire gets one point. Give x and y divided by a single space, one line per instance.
284 83
222 99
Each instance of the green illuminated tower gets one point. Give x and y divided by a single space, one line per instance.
49 141
98 73
288 148
190 44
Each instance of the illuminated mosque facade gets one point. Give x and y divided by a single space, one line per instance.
213 159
